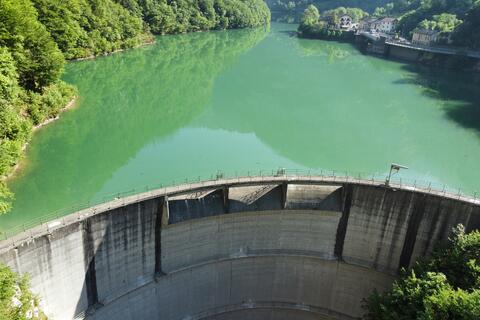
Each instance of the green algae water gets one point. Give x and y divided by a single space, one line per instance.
240 100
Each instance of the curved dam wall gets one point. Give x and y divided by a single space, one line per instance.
257 248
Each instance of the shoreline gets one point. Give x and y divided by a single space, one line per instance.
14 170
68 106
104 54
151 41
435 60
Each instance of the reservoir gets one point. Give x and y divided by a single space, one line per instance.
247 100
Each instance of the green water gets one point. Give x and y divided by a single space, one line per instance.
245 100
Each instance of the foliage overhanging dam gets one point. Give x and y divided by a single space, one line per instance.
259 247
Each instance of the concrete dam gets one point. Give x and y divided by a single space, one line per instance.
267 248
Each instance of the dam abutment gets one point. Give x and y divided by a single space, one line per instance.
310 248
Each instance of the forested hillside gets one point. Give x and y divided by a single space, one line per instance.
37 36
30 89
296 7
88 27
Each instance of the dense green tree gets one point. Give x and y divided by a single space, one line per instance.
38 60
63 19
310 16
459 261
356 13
84 28
468 33
316 25
19 109
446 286
16 300
453 304
444 22
30 66
387 10
14 130
298 6
379 12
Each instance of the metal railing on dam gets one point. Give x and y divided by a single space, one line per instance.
45 222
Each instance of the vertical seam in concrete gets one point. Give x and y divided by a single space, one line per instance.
284 187
158 238
343 222
473 219
225 195
89 255
412 231
432 231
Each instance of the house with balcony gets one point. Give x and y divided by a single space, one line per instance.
387 25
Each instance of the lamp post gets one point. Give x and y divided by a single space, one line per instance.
394 168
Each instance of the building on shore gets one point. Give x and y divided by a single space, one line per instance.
368 24
384 25
345 22
425 37
387 25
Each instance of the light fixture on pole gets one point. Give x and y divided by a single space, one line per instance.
394 168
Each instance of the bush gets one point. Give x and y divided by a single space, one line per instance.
446 286
16 300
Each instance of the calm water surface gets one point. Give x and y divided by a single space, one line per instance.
244 100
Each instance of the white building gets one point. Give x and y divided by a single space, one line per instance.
383 25
345 22
387 25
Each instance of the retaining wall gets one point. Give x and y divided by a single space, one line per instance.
263 250
403 53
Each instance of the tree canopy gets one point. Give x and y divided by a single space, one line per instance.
310 16
16 300
323 5
446 286
357 14
445 22
37 58
468 33
30 89
83 28
314 24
